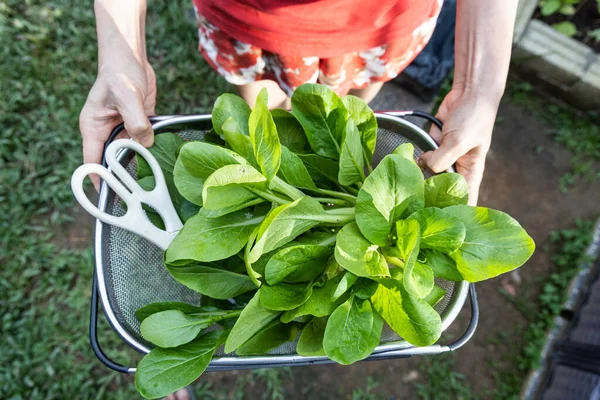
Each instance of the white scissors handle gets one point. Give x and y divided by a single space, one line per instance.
132 194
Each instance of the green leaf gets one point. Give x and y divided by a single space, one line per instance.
263 135
365 120
239 142
352 332
410 317
322 170
284 223
357 255
549 7
293 171
406 150
435 296
364 288
418 278
271 337
395 187
567 9
319 304
211 239
230 187
300 263
253 319
188 210
567 28
322 115
165 150
290 132
173 328
494 243
348 279
311 339
447 189
188 185
285 296
164 371
352 162
213 282
149 309
440 230
443 265
201 159
231 106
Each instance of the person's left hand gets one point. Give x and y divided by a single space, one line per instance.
468 119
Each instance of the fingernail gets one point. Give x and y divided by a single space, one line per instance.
147 141
420 163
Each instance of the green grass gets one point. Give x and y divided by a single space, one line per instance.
442 381
47 66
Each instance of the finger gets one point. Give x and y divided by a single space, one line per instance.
473 175
444 157
435 133
136 121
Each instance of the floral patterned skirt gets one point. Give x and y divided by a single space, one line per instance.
242 63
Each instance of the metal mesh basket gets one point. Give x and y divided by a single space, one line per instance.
130 272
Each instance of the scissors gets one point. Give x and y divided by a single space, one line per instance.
135 219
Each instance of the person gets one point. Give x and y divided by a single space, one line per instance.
353 46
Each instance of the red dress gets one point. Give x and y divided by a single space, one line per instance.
344 44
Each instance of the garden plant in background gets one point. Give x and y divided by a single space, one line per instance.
567 9
291 233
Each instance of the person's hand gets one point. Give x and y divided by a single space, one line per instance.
124 91
465 140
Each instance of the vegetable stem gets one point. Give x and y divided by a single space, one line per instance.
342 216
283 187
328 200
252 274
349 211
269 196
332 193
394 261
367 162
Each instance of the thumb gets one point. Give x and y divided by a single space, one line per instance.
443 158
135 120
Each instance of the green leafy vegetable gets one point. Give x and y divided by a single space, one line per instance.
352 162
323 116
231 106
300 263
263 135
395 187
311 339
164 371
411 318
357 255
253 319
365 120
285 296
209 239
290 232
290 132
444 190
440 230
353 331
213 282
494 243
173 328
272 336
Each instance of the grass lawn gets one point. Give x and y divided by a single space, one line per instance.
47 65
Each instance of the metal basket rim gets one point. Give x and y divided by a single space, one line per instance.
457 302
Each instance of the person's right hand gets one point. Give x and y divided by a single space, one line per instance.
124 91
